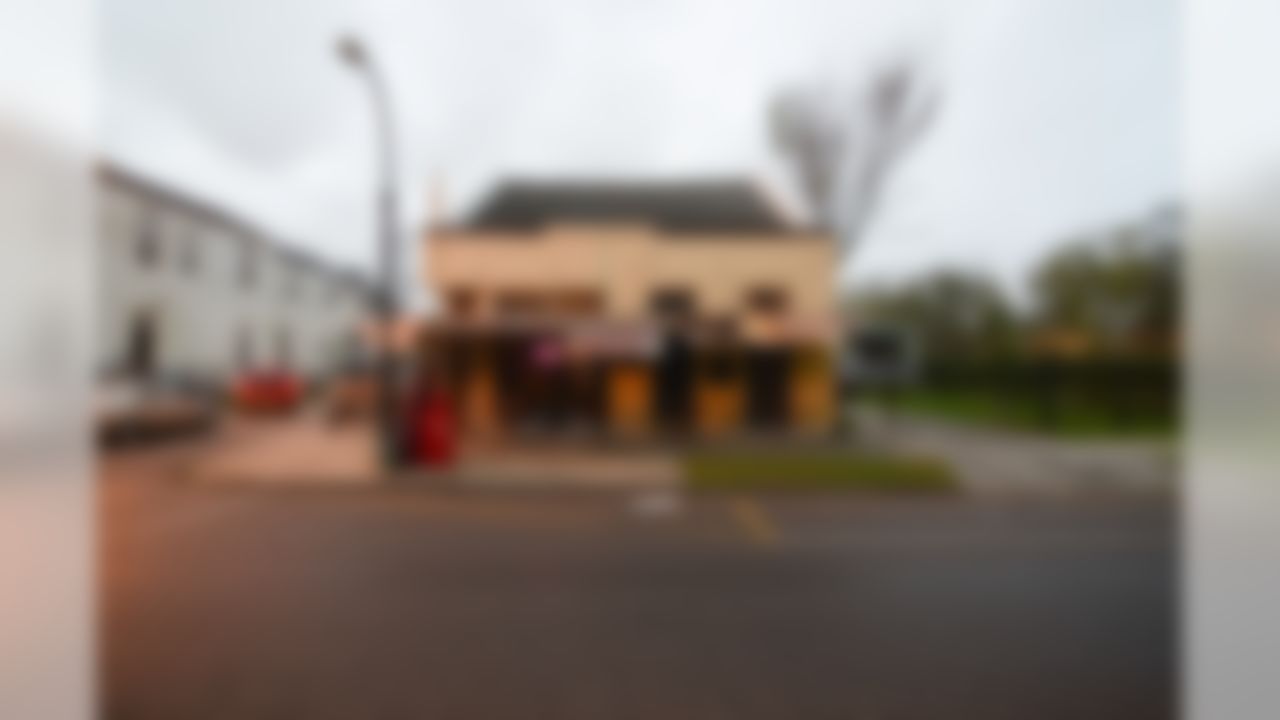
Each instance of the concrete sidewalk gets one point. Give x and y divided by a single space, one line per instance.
994 462
567 469
308 451
300 451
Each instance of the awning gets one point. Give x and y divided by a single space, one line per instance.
615 340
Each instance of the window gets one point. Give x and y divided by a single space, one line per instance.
191 253
461 302
290 280
244 350
672 303
284 349
720 366
580 302
140 352
248 265
767 300
338 291
520 303
148 247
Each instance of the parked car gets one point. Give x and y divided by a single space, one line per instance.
133 408
268 392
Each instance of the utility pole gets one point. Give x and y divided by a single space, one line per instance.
386 301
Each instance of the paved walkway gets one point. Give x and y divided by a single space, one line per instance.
309 451
568 469
305 450
991 461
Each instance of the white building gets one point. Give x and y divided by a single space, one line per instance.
188 290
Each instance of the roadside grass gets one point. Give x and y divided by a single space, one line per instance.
1077 420
814 470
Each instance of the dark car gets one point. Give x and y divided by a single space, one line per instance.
143 408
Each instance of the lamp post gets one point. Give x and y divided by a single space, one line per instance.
385 301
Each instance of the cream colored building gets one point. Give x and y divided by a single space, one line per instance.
635 308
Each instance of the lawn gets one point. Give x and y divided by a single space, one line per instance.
813 470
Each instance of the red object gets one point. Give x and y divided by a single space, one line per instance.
435 431
269 391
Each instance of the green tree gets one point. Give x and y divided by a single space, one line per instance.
954 314
1121 291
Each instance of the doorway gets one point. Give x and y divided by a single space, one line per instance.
674 383
140 350
767 370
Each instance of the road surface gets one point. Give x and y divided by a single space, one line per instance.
406 603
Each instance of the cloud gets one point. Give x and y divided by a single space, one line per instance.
1059 114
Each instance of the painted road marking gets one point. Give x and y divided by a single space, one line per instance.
754 522
656 504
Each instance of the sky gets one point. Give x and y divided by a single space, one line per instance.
1058 116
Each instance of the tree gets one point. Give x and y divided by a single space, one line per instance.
844 145
955 314
1121 291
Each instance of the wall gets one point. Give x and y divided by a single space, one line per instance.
625 263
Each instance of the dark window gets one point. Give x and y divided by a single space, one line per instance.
880 348
720 365
462 302
140 354
674 382
721 330
767 300
766 372
520 302
581 303
672 303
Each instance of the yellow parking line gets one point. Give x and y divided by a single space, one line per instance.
754 522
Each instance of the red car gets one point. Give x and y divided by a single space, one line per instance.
268 392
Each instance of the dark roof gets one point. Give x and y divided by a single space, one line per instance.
117 175
114 174
712 206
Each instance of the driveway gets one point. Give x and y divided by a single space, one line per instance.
991 462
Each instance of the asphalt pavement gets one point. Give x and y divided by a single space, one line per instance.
412 602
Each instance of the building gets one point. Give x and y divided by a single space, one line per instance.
190 291
635 309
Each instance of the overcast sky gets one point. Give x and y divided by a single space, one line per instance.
1058 116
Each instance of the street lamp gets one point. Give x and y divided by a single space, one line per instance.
386 301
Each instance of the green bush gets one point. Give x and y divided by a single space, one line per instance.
1094 397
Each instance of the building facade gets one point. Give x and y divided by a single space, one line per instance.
635 309
187 290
